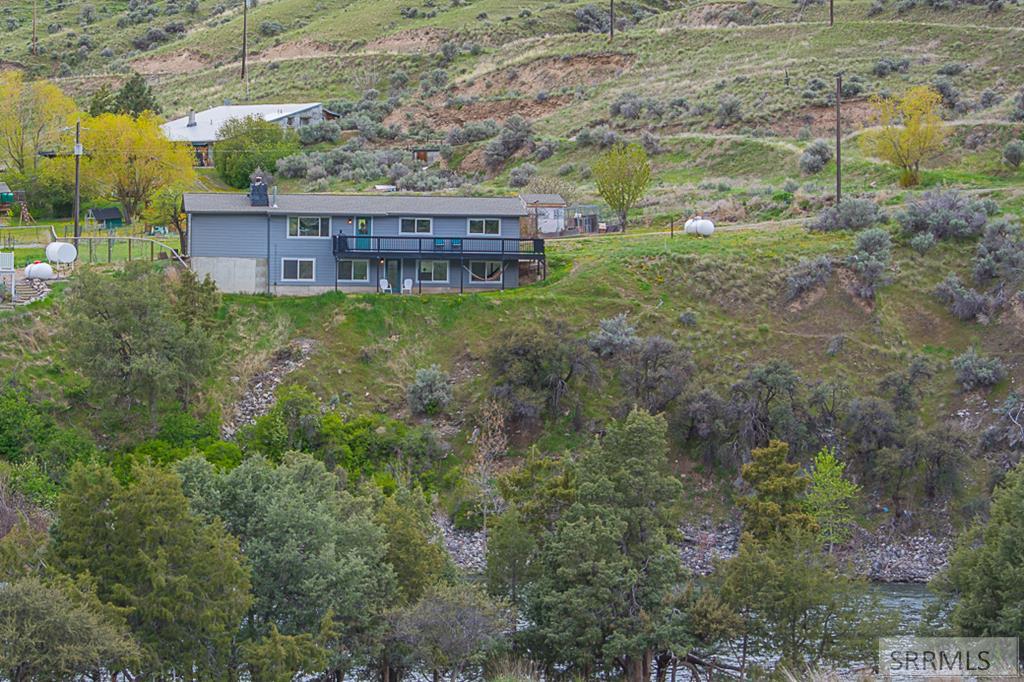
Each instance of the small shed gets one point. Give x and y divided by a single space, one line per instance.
545 213
109 217
426 156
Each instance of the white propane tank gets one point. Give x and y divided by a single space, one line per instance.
691 226
61 252
39 271
704 227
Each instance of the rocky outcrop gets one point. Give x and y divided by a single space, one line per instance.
260 395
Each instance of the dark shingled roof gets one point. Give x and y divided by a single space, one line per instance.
110 213
359 204
533 199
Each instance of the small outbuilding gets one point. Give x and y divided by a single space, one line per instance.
545 213
109 217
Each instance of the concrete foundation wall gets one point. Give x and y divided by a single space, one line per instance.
233 275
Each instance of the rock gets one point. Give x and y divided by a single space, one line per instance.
468 549
260 396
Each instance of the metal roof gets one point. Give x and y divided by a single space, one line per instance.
4 188
209 122
390 204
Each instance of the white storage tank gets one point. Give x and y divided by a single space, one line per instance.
700 226
39 270
61 252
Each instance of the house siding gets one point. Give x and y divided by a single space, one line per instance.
230 236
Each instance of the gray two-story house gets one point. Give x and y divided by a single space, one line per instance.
313 243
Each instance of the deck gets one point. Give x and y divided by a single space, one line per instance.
501 248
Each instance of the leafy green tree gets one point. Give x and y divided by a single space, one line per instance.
103 101
982 586
829 496
245 144
451 627
775 505
511 560
181 582
622 176
540 490
607 596
796 603
56 632
314 550
136 97
136 343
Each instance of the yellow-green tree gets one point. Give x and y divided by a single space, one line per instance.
32 115
622 175
131 160
909 131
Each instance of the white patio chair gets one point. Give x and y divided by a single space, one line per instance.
385 287
407 286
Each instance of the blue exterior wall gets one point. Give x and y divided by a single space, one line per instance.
246 236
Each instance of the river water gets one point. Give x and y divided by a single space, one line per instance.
907 599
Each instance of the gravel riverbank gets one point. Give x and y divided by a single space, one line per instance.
880 558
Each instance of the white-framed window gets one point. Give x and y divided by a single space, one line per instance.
309 227
485 271
298 269
416 226
353 271
485 226
433 271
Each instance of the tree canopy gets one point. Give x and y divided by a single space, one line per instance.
182 583
910 131
130 160
622 175
245 144
32 116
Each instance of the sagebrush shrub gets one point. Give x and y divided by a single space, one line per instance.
615 335
1013 153
923 243
946 215
520 177
849 214
1000 252
516 134
870 261
430 391
975 371
815 157
730 110
808 274
963 302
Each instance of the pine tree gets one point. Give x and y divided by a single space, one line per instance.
135 97
104 101
775 505
607 596
983 586
181 582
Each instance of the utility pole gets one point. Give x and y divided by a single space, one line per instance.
35 49
611 22
245 45
839 139
78 178
831 12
